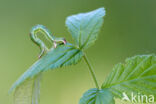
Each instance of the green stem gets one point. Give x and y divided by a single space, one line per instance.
91 71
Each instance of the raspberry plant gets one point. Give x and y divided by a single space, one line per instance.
137 74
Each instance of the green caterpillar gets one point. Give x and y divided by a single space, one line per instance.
49 37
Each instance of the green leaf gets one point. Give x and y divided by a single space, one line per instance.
96 96
63 55
137 75
85 27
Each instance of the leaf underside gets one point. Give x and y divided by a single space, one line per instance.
63 55
23 93
28 92
95 96
84 27
137 75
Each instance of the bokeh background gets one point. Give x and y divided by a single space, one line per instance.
129 29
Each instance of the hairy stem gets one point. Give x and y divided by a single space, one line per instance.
91 70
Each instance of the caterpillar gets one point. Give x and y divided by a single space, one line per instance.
49 37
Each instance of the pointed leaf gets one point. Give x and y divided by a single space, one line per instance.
137 75
95 96
84 27
63 55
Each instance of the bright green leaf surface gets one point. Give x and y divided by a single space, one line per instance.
95 96
84 27
61 56
137 75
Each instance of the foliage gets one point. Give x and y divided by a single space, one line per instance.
138 74
96 96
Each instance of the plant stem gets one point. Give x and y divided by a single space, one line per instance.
91 70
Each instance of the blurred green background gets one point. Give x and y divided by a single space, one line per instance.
129 29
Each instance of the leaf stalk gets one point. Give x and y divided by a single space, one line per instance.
91 70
